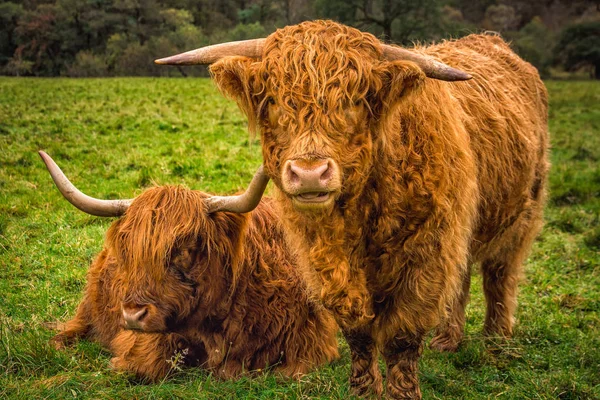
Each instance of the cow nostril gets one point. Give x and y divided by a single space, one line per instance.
293 176
326 175
142 313
134 315
292 172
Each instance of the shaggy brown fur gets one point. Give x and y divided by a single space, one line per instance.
436 176
220 289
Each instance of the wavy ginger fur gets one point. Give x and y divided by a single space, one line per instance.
437 176
221 288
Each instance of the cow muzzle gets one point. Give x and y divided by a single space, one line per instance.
312 184
135 316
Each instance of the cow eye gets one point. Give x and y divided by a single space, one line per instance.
184 278
183 257
270 100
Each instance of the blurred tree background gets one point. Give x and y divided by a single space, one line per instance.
84 38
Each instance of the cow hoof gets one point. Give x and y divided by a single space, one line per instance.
58 342
62 341
446 342
117 364
498 331
367 386
372 388
366 393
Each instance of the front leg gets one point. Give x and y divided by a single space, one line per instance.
450 332
327 272
74 329
365 377
152 356
351 306
401 355
345 294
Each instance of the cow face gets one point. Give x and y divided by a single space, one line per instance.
318 97
174 261
159 297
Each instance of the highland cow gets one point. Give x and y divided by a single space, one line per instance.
179 282
395 173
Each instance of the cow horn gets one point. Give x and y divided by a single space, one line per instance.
432 68
244 202
207 55
87 204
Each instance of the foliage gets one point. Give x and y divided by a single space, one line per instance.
243 31
122 37
453 24
532 43
402 21
579 45
10 13
115 136
500 18
87 65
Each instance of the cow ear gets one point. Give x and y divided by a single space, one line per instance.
229 237
394 82
234 78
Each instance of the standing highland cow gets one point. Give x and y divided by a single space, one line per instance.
395 173
178 280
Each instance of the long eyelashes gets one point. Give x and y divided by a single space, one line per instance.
183 278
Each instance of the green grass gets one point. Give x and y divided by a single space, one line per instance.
114 137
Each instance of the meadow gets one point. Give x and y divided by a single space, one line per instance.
115 137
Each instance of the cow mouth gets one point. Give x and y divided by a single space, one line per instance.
313 200
313 197
143 327
133 326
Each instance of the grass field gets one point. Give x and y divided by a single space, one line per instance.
114 137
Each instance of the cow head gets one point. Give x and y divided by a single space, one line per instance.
174 255
317 92
174 260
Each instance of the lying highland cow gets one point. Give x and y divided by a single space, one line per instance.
394 177
179 280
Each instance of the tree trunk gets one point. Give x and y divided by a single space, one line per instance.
387 30
388 18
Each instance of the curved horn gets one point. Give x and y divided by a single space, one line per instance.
432 68
246 201
207 55
87 204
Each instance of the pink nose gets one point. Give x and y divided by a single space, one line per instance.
304 176
134 315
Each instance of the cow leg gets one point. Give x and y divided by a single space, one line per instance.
502 272
500 284
349 300
365 377
500 281
450 332
152 356
401 355
78 327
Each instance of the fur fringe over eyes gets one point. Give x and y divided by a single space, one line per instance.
436 176
219 290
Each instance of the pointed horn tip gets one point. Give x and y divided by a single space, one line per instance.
451 75
162 61
45 157
177 59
